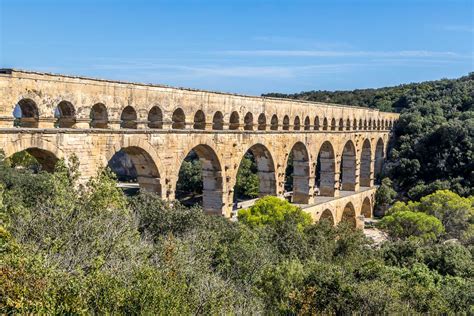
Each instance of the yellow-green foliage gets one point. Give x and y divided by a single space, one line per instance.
454 212
405 224
271 210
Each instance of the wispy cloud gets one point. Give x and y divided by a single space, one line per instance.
333 53
459 28
180 71
301 42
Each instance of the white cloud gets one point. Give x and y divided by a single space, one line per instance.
459 28
331 53
180 71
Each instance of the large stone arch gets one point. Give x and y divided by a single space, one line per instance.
145 160
349 215
366 208
379 157
65 114
46 153
366 164
213 191
348 167
301 173
326 169
266 169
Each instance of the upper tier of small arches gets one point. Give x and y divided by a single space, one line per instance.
26 114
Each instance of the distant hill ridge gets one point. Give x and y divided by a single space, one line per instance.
396 98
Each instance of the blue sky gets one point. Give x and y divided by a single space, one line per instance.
249 47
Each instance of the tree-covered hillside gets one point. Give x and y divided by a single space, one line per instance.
453 93
432 147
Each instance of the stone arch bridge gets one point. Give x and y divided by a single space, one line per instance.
337 150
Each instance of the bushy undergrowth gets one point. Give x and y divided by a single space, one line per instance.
66 248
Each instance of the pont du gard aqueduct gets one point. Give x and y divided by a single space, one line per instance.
338 151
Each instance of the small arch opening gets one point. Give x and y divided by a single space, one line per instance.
307 124
366 209
316 123
155 118
286 123
262 122
327 216
199 120
274 123
26 114
234 121
99 116
179 119
297 124
325 124
128 118
218 121
349 215
65 115
248 122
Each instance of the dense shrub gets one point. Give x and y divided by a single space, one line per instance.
69 249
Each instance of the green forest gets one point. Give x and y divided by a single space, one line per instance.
67 248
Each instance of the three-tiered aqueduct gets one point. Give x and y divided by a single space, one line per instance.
157 126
